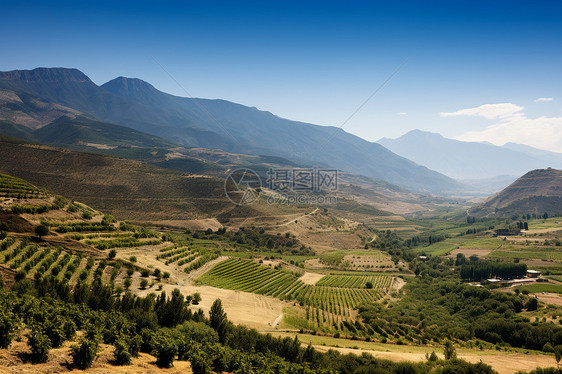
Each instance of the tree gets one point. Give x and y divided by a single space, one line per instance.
39 344
84 354
533 304
143 283
165 352
112 253
127 283
450 352
369 285
558 353
41 230
196 298
7 328
121 353
217 315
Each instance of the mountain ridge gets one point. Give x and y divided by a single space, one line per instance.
183 120
468 160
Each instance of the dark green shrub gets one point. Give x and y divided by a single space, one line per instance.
7 328
121 353
39 344
165 352
84 353
41 230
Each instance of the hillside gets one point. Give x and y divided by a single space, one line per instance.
127 188
30 112
469 160
537 192
222 124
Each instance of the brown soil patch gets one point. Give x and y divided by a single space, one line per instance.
480 252
550 298
248 309
14 222
311 278
191 224
8 276
315 263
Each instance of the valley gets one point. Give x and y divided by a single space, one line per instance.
306 273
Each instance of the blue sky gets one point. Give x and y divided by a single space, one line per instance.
317 61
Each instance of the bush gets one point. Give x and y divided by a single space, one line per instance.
7 328
143 283
165 352
83 354
54 330
41 230
39 344
121 353
200 364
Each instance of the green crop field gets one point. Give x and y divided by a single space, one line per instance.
327 305
537 288
355 281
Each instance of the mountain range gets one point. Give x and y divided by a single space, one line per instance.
220 124
471 160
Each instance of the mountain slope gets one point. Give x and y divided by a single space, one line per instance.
222 124
538 191
30 112
465 160
126 188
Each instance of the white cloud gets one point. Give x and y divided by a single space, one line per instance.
543 99
402 113
512 125
489 111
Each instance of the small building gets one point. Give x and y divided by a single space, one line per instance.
493 280
533 273
422 257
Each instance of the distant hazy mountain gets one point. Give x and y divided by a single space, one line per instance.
222 124
537 192
470 160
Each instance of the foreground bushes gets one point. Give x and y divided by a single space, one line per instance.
165 327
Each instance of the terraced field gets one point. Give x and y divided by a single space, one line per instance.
32 260
16 187
193 257
355 281
329 306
